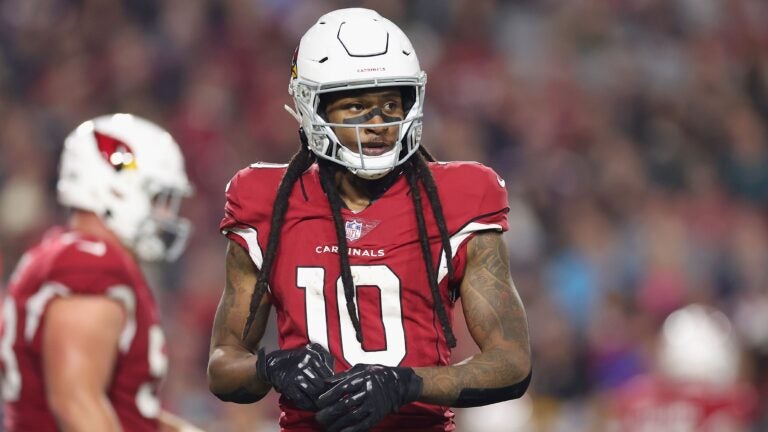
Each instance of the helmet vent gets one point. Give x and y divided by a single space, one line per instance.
360 39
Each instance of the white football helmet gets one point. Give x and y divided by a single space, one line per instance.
351 49
130 172
697 344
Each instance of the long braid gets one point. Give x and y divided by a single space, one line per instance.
414 175
425 175
296 167
426 154
329 186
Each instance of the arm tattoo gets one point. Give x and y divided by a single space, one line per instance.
495 318
232 363
240 269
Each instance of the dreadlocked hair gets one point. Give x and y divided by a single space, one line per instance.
329 186
299 163
420 172
434 201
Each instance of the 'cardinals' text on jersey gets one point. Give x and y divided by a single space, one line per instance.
66 264
396 308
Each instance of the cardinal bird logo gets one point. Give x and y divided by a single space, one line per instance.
116 152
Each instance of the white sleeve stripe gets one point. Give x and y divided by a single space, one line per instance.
125 295
456 241
36 305
251 239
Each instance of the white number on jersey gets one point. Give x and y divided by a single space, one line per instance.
11 377
312 281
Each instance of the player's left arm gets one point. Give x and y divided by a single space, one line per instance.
497 322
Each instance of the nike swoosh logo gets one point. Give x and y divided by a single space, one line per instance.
93 248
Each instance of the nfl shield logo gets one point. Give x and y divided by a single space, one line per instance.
354 230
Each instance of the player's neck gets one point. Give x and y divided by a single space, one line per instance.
358 193
91 225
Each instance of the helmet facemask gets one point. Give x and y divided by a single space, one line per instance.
163 234
324 142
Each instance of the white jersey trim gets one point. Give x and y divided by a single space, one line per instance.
125 295
37 303
457 239
251 236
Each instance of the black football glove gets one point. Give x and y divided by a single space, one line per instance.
364 395
298 374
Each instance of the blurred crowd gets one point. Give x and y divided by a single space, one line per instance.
632 134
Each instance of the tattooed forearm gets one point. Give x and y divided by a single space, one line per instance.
232 362
488 289
495 318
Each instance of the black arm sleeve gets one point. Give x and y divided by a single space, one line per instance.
474 397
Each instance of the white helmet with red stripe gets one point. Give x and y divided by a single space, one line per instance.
130 172
351 49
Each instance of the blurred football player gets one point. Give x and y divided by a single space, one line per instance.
81 346
348 242
696 385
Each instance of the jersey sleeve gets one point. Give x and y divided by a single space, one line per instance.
81 268
250 196
473 196
493 204
89 268
474 199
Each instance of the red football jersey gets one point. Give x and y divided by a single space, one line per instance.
396 308
649 403
63 264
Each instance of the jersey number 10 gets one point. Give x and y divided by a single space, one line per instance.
312 281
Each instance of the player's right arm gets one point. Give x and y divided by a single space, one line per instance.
80 340
232 363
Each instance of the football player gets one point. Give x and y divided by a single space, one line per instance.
81 346
695 385
362 244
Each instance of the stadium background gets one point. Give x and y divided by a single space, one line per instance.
633 136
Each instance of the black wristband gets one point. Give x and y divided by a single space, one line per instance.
414 384
474 397
261 366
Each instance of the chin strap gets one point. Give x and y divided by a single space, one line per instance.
293 113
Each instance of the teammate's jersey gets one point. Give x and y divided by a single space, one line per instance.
65 264
395 304
648 403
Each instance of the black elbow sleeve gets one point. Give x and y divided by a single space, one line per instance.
240 396
474 397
